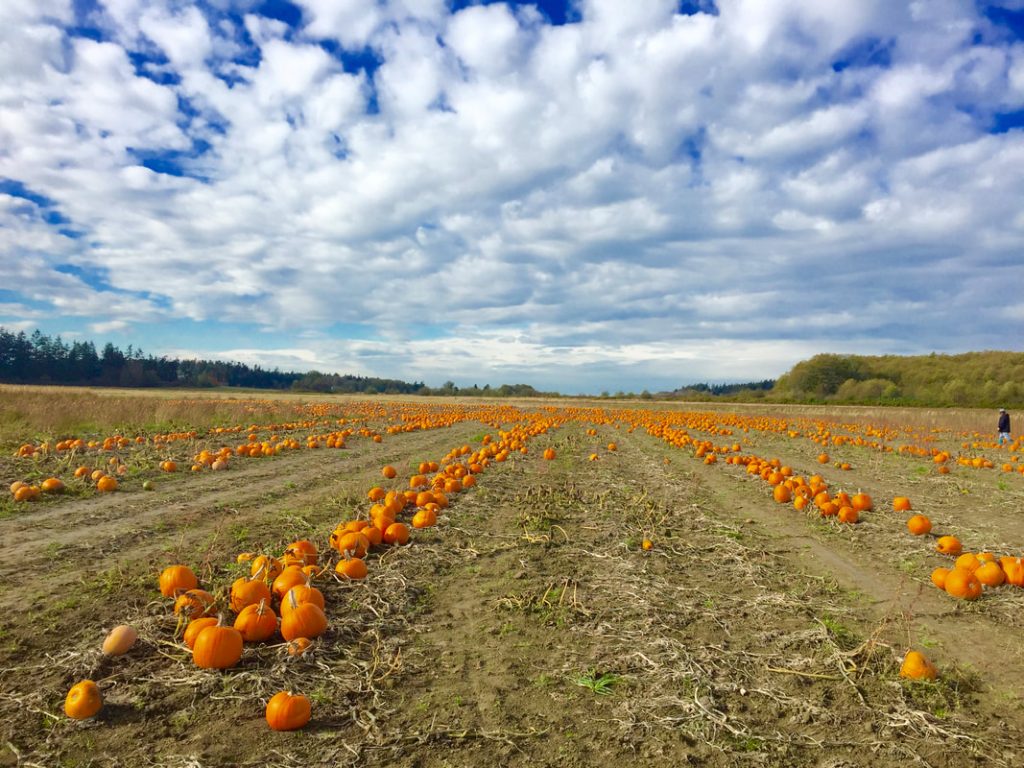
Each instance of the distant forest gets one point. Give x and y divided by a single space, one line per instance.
41 359
972 379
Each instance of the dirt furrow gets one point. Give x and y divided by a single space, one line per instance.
861 562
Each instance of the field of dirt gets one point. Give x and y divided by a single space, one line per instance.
530 627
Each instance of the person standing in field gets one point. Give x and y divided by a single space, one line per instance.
1004 426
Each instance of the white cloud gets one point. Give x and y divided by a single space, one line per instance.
184 38
639 190
485 38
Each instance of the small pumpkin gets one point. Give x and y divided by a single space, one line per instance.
901 504
287 711
351 568
303 620
302 593
290 576
195 604
303 550
968 561
176 579
269 568
549 454
916 666
52 485
106 484
962 584
120 640
245 592
83 701
256 622
299 646
217 647
373 534
424 518
1013 567
396 533
990 574
949 545
939 577
354 543
195 627
919 525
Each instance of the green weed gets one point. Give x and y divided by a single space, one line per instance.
602 684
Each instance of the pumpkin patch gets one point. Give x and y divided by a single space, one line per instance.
366 557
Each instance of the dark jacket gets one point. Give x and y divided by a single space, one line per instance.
1004 422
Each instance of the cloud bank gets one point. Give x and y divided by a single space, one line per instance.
590 197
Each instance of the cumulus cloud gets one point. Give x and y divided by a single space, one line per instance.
636 193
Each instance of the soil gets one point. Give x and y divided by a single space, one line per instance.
529 627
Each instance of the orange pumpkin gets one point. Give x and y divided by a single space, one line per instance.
245 592
939 577
962 584
195 627
303 620
1013 567
919 525
355 543
396 533
290 577
351 568
424 518
949 545
176 579
257 622
106 484
968 561
217 647
916 666
287 712
194 604
303 550
302 593
901 504
52 485
83 701
990 574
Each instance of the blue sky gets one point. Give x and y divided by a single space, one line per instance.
583 196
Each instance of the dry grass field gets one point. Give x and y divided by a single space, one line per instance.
530 625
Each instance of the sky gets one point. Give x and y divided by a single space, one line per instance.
584 196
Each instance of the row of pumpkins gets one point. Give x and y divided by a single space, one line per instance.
970 573
287 582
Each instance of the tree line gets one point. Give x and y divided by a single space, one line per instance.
974 379
41 359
